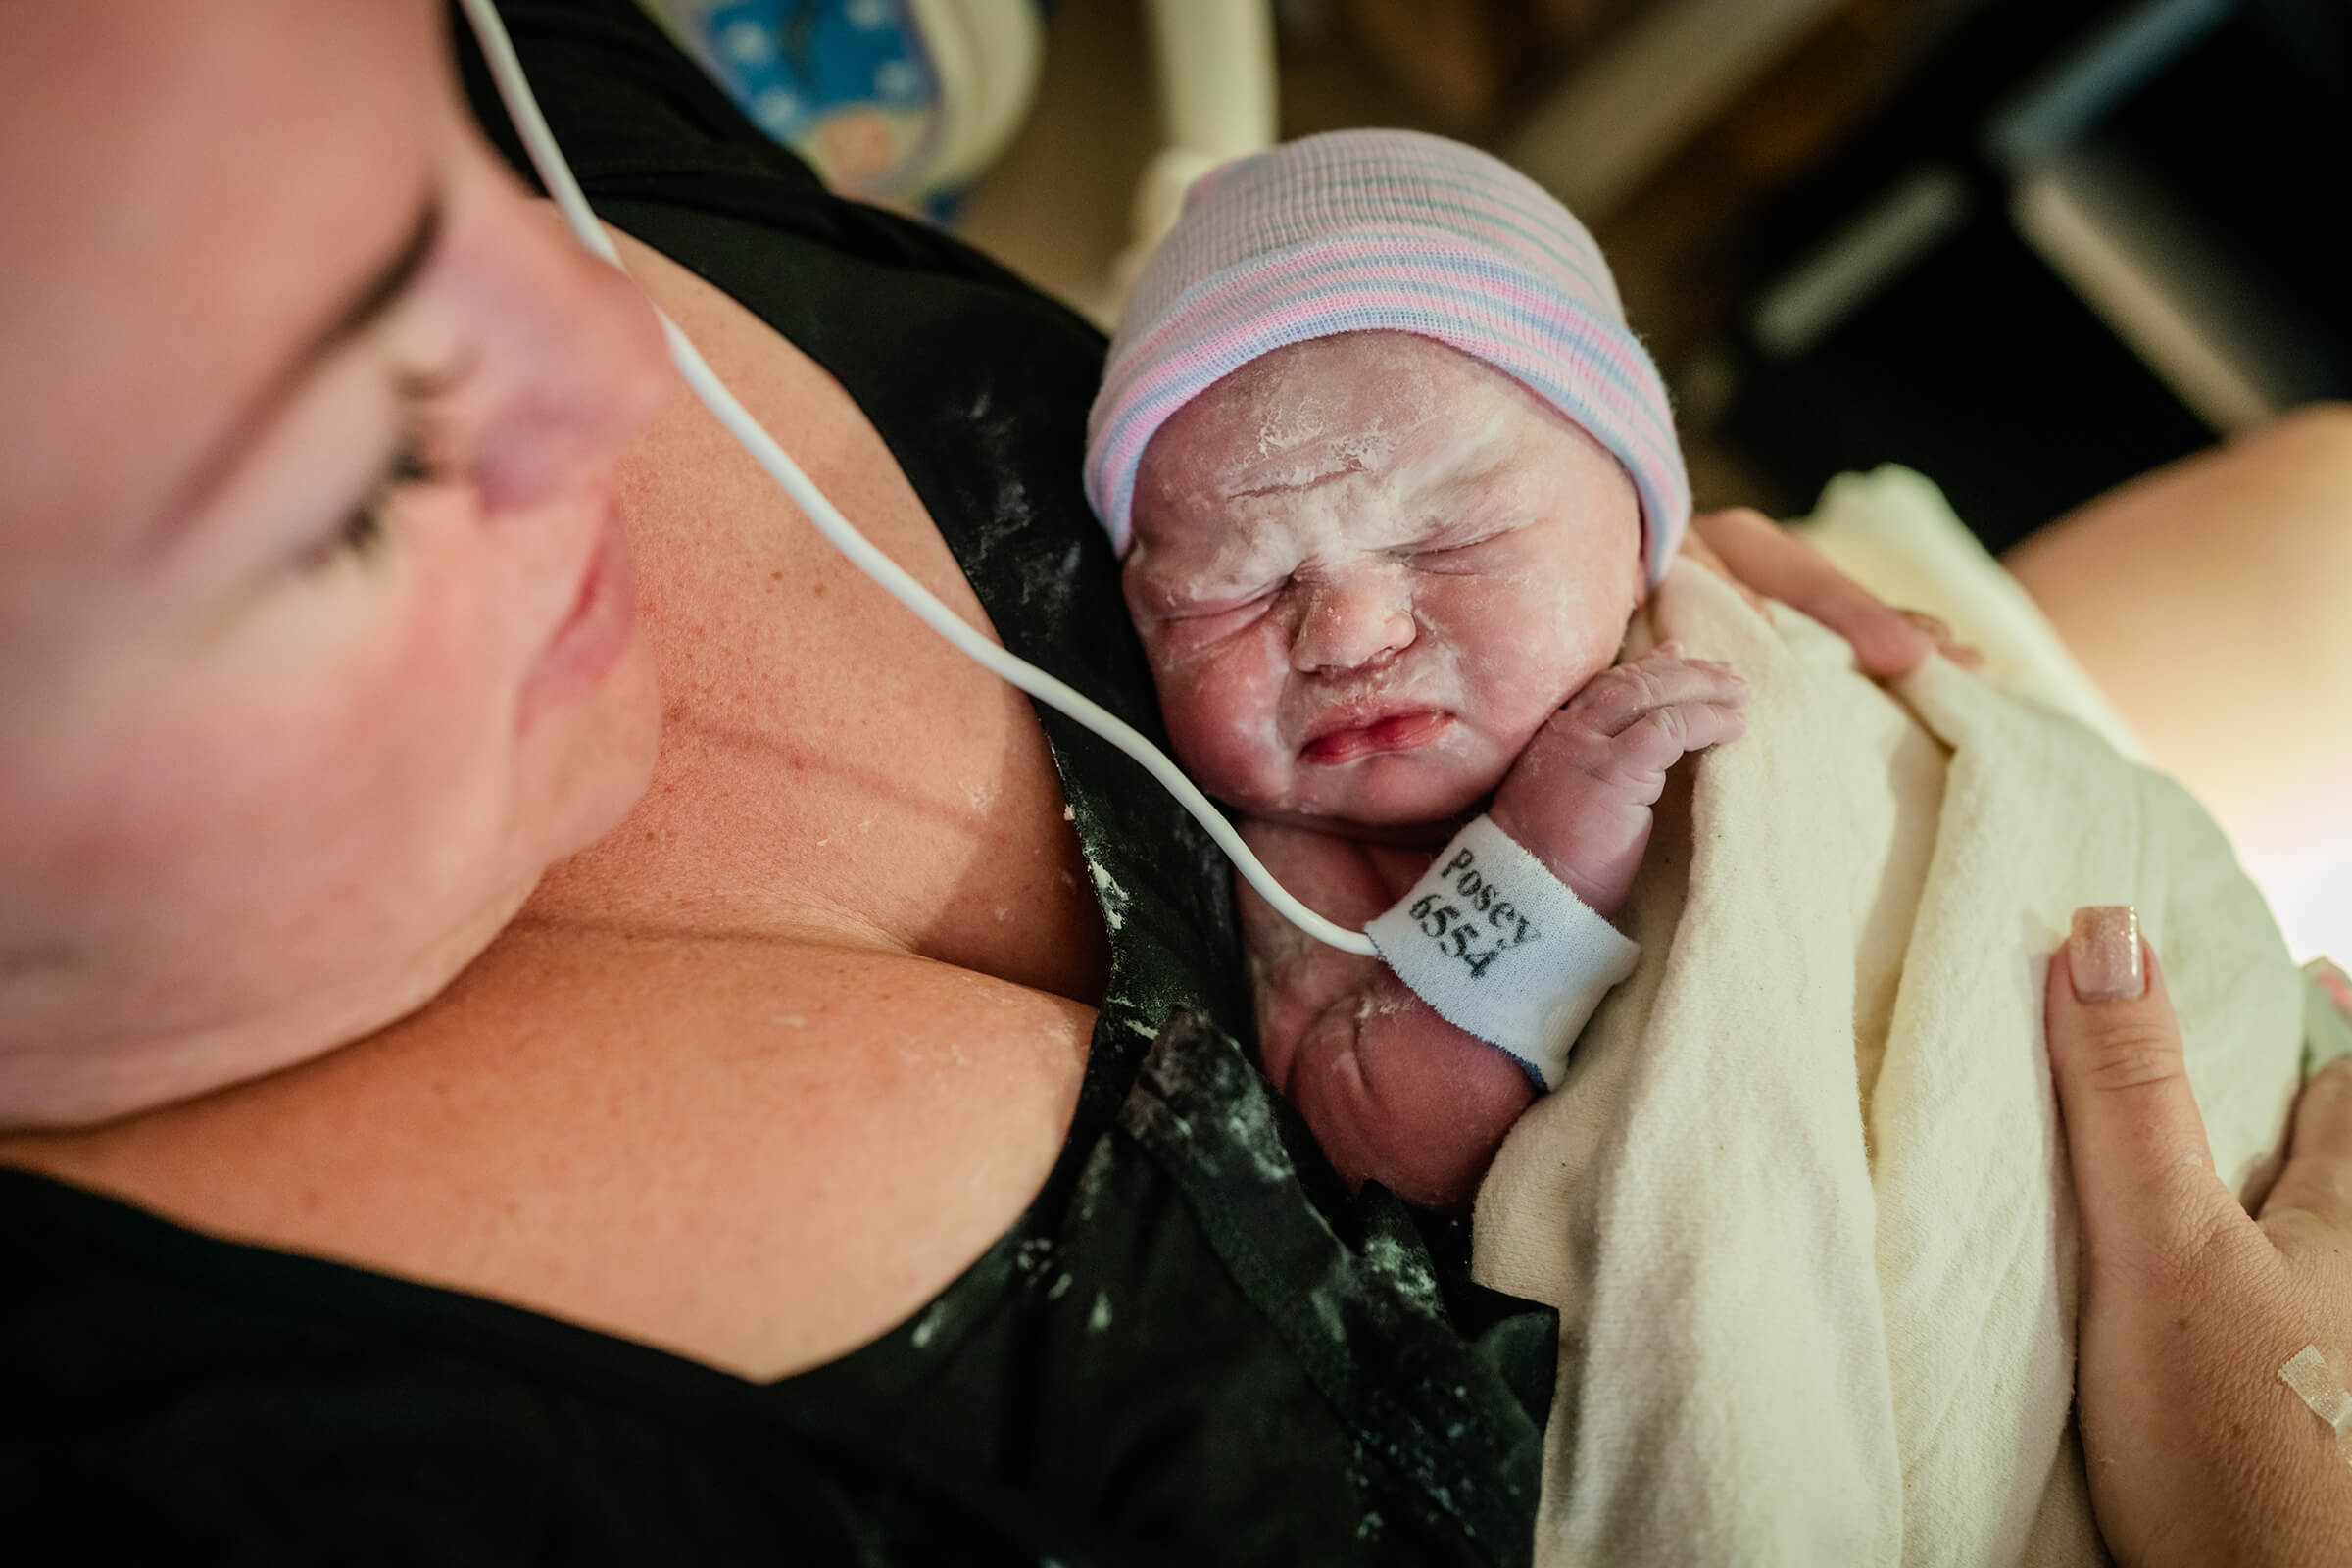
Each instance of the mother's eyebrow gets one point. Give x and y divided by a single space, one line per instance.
360 310
368 303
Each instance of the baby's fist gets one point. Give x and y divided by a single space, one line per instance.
1580 795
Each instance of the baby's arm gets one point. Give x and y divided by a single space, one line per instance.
1392 1090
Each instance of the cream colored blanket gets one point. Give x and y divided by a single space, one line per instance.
1802 1200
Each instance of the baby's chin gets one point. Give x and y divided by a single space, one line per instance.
1383 797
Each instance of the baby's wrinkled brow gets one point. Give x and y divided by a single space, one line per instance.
1350 466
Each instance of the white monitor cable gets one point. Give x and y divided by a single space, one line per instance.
554 173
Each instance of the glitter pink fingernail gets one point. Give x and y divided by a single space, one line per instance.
2102 957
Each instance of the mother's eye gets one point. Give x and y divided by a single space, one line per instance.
422 456
361 530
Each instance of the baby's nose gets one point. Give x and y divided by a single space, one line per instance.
1361 621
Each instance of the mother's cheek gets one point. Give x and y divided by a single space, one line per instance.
346 776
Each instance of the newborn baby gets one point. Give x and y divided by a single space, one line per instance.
1389 477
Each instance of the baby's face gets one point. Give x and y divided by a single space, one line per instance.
1366 570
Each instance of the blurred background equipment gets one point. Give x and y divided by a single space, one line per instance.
2029 247
904 101
899 101
2083 239
1213 69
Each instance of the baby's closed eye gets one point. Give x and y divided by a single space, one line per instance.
1459 555
1206 619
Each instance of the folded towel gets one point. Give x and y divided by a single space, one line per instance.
1801 1197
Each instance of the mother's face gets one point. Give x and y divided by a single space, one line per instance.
314 635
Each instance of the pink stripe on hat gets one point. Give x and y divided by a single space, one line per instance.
1384 230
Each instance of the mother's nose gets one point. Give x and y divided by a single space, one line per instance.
578 361
1362 621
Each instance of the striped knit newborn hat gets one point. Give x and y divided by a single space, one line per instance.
1367 231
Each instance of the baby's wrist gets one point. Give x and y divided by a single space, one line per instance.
1503 949
1602 892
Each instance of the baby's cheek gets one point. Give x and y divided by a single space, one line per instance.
1529 644
1221 706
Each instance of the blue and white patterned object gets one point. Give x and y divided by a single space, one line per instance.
844 83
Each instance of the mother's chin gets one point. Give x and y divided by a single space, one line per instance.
204 935
60 1074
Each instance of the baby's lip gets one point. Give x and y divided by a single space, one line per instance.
1351 730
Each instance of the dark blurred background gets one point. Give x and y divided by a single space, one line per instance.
2028 247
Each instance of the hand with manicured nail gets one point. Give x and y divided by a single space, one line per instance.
2198 1453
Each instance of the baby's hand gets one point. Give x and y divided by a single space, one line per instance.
1580 795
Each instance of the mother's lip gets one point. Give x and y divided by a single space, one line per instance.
1367 735
593 633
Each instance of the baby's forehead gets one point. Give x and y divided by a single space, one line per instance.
1390 405
1304 389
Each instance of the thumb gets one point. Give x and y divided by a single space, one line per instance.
2143 1173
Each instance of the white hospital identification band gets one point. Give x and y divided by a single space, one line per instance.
1502 948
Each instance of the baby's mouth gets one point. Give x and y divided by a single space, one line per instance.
1354 736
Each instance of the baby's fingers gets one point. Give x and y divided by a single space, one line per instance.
1662 737
1616 698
